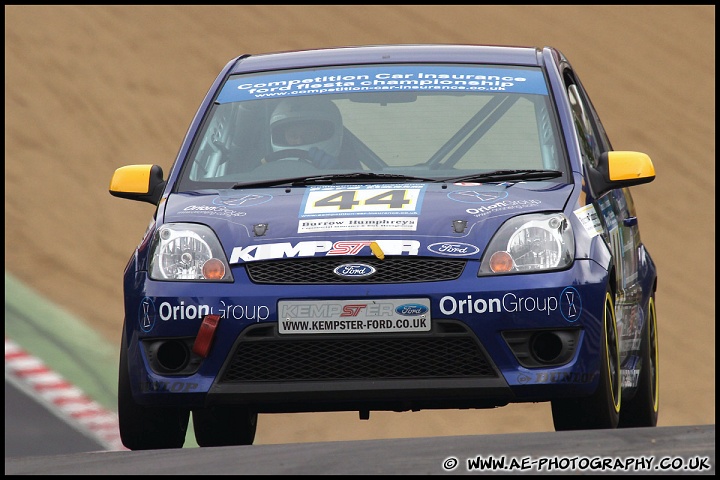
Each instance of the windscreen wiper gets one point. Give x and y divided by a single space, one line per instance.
362 177
278 182
496 175
504 175
334 178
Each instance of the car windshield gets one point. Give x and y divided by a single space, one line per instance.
423 122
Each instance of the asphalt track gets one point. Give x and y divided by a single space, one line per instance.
40 439
691 449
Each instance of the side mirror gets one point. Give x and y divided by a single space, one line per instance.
620 169
143 183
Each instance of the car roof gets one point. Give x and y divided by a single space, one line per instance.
374 54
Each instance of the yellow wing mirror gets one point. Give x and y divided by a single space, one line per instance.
620 169
143 183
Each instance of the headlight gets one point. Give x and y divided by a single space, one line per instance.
187 251
529 243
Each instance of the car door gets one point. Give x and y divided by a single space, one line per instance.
617 211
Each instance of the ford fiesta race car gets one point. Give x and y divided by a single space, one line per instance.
388 228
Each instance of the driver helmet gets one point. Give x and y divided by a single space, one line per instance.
306 122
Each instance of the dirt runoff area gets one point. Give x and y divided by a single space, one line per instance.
91 88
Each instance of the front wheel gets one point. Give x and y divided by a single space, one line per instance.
642 409
602 409
147 428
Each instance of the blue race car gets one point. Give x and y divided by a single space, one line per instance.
388 228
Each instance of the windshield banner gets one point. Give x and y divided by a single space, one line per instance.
386 78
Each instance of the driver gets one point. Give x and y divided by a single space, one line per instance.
312 124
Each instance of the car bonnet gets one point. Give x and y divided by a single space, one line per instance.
430 220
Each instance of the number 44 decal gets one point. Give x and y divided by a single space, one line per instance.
363 200
346 200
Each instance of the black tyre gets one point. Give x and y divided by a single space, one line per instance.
602 409
224 425
147 428
642 409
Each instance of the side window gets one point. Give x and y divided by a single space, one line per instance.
600 134
233 142
209 157
589 145
629 202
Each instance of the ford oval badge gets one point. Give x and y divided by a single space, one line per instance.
453 248
411 309
354 270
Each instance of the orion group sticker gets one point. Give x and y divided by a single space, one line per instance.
241 201
501 206
476 196
570 304
147 314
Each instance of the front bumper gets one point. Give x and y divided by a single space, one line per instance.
474 356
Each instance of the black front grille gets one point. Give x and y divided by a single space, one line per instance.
389 270
449 351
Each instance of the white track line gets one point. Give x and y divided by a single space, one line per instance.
64 399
